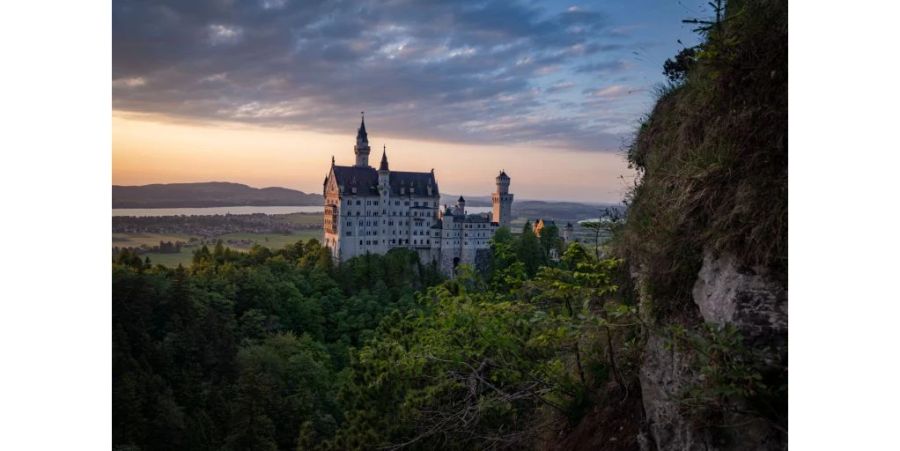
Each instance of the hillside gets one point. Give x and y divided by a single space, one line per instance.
706 239
209 194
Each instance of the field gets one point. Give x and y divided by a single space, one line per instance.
243 241
149 239
236 241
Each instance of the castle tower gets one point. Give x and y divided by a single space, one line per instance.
502 201
461 205
361 149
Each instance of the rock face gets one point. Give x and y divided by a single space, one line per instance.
746 298
664 374
724 293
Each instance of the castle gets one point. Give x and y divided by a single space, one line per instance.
374 211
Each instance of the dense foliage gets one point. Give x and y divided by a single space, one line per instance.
283 350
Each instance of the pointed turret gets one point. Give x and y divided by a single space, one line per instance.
361 134
384 162
362 144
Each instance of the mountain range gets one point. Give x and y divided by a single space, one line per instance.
207 194
226 194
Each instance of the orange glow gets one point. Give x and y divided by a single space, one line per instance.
157 150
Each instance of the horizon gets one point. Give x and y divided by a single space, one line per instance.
474 195
551 91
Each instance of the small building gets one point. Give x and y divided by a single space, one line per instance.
540 223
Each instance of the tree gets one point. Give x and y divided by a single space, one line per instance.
677 69
529 250
550 239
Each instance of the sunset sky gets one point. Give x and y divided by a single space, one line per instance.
264 92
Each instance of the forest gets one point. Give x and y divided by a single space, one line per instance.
281 349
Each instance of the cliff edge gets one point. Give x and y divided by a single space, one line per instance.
706 239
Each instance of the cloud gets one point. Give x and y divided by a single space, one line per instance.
559 87
273 4
602 67
609 92
465 71
224 34
131 82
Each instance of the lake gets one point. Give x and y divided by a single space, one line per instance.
208 211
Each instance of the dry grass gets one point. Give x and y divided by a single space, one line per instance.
713 159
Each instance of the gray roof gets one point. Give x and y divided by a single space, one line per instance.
419 181
365 179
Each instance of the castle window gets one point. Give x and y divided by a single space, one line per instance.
406 203
360 242
357 203
349 233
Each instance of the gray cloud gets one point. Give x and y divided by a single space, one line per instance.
466 71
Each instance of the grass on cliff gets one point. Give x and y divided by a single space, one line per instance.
712 159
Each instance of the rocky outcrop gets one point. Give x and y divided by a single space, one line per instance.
748 298
725 294
665 374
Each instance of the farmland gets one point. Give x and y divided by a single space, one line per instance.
172 240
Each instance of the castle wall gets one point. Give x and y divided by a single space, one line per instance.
377 224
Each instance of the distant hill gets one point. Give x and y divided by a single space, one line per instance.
534 209
471 201
208 194
560 211
225 194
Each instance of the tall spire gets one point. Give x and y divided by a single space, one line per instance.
361 135
362 144
384 161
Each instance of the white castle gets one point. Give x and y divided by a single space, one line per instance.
374 211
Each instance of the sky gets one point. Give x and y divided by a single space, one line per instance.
264 92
